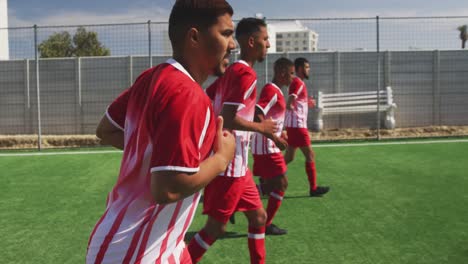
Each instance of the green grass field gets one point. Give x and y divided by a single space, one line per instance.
388 204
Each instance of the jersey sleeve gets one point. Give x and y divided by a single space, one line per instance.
178 134
296 88
118 109
243 84
268 99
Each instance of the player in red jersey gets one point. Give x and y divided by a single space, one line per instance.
269 162
234 97
167 128
296 125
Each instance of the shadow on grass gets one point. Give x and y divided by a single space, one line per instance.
227 235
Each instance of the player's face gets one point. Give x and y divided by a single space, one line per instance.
289 75
219 42
261 43
306 70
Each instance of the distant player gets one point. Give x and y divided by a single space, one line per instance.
296 125
167 128
234 96
269 162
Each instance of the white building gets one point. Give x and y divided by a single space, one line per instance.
291 36
4 49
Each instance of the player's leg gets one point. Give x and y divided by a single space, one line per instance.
311 170
289 155
252 207
256 235
220 200
278 185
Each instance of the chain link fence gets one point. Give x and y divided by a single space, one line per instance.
372 78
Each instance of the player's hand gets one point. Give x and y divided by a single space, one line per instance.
269 126
225 143
281 143
311 102
284 135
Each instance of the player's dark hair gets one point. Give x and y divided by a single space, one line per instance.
300 62
282 64
200 14
248 26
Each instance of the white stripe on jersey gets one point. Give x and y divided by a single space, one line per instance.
300 90
112 120
205 127
250 90
270 104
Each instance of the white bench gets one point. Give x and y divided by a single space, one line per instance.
354 103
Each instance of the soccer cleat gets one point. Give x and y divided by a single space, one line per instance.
275 231
321 190
232 219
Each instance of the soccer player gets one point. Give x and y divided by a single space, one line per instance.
234 96
167 128
296 125
269 162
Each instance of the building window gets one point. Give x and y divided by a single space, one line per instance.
279 49
288 35
296 35
279 36
287 43
305 49
295 43
296 49
279 43
304 42
305 35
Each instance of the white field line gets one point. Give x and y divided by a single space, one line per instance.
315 146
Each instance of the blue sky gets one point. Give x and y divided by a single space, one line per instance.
53 12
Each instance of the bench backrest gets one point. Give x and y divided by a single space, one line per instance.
355 102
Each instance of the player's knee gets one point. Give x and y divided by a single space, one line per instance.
215 229
260 219
284 185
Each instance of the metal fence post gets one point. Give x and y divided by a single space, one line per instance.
378 76
149 45
27 106
36 57
436 89
79 107
130 70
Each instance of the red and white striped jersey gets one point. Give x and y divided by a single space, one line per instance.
168 125
297 117
273 106
238 86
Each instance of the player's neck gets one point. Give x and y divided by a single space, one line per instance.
301 76
249 59
193 69
276 82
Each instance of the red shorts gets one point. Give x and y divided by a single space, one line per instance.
226 195
298 137
269 166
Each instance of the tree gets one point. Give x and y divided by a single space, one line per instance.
463 35
57 45
84 43
87 44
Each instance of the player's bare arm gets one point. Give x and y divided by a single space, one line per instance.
109 134
172 186
233 121
291 102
